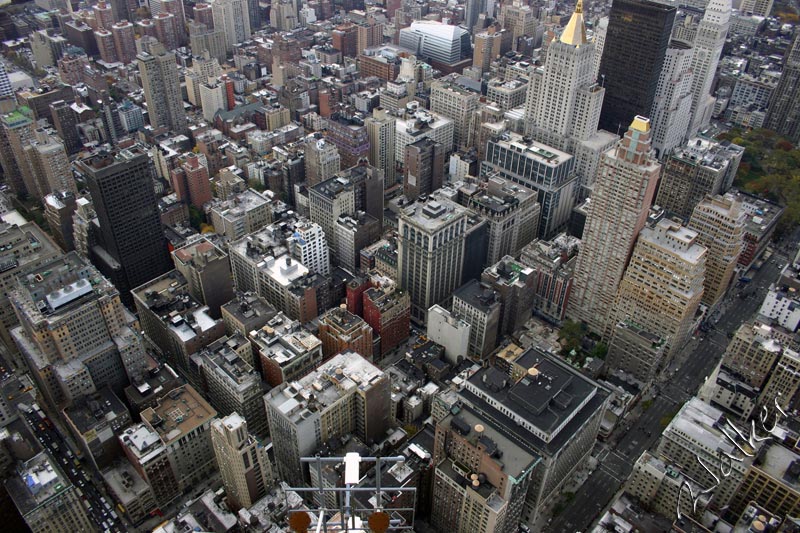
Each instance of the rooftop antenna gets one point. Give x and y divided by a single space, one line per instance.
350 515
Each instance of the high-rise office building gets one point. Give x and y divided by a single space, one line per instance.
29 246
708 43
213 40
191 180
16 130
719 222
49 165
74 334
695 436
171 448
46 498
5 84
430 252
166 30
424 168
443 44
162 90
672 107
124 41
662 287
783 114
243 463
322 160
226 377
176 9
381 128
66 124
696 169
541 168
512 213
345 395
344 38
633 56
59 209
621 202
560 434
480 307
103 14
473 9
233 18
342 331
488 45
132 248
357 189
518 18
349 136
564 101
207 271
759 8
458 103
105 46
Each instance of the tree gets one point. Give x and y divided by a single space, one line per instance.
600 350
197 218
572 334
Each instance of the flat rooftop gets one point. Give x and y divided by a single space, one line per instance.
94 411
178 413
339 376
544 154
432 213
545 406
61 284
37 480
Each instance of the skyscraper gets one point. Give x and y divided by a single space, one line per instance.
430 252
242 461
783 114
488 45
381 131
74 334
124 41
473 9
424 168
132 247
5 84
356 401
719 223
452 100
633 56
623 194
162 89
49 165
698 168
672 108
46 498
564 101
16 130
322 160
708 43
232 17
663 284
66 124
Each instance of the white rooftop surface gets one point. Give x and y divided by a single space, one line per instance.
284 270
328 383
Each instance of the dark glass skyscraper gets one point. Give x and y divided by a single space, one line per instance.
633 55
131 248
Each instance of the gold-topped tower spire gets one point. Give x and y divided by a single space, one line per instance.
575 31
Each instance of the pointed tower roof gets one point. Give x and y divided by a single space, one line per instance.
575 31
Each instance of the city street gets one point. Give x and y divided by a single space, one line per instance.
616 458
99 507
